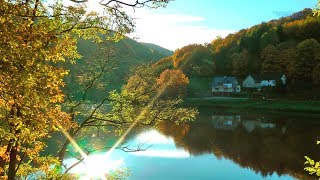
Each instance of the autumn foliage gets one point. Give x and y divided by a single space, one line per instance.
36 38
287 45
173 82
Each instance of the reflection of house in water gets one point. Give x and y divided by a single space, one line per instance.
232 122
226 122
250 125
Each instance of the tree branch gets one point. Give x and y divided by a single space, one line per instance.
137 3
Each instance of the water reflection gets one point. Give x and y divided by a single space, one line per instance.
266 144
160 146
221 146
232 122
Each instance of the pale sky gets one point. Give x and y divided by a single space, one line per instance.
185 22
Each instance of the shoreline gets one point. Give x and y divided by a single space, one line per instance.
274 105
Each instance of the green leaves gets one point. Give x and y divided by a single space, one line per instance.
140 99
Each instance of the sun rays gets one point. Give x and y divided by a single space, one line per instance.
101 174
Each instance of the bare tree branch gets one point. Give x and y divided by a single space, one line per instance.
123 148
136 4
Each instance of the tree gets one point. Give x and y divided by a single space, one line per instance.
307 59
174 83
240 63
143 89
139 101
77 101
35 37
269 55
270 37
194 59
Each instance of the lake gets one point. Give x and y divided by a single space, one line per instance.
217 145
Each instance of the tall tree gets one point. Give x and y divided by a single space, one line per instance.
307 58
140 99
240 63
174 83
270 37
193 59
34 36
269 56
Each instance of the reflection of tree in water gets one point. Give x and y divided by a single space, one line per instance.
266 149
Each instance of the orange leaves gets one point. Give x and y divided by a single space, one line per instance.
171 77
173 82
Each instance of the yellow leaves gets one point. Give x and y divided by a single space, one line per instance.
30 52
312 166
173 82
3 153
35 149
57 98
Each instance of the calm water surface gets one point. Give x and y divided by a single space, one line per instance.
218 145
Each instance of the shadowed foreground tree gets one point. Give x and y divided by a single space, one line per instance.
141 98
145 100
312 166
34 36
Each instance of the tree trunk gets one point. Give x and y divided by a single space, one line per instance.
12 147
2 164
72 134
63 150
12 163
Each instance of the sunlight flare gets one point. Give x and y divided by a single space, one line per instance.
73 142
142 113
91 167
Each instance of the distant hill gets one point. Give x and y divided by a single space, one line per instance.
124 54
158 48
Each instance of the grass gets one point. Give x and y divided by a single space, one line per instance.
265 105
200 86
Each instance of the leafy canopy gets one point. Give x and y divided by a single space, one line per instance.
34 37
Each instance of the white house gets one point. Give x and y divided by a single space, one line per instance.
225 84
252 81
264 80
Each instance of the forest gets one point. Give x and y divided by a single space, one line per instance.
288 45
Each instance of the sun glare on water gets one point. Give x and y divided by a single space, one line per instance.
95 167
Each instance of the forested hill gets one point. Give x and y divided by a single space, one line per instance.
116 58
288 45
158 48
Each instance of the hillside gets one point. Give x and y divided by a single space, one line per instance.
158 48
119 58
288 45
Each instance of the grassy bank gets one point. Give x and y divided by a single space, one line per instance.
265 105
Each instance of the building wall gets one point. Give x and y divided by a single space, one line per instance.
222 89
238 89
226 87
283 79
233 89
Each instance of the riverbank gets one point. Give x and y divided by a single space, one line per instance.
251 104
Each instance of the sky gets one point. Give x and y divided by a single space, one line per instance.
185 22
